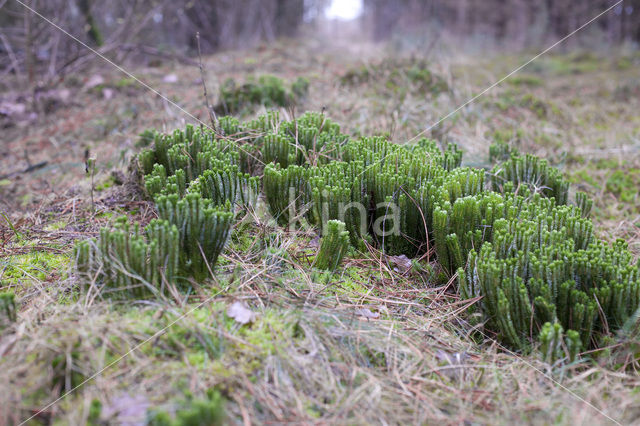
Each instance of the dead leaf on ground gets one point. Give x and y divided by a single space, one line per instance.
170 78
93 81
402 263
128 410
367 313
241 313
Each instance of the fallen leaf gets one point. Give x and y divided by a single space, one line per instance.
366 312
128 410
402 263
93 81
241 313
170 78
11 108
107 93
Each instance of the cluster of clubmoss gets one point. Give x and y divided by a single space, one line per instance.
513 237
333 246
268 90
197 183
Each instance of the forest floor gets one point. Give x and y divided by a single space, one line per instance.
379 343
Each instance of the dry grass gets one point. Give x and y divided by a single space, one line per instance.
375 343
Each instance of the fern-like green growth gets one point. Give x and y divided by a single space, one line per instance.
333 246
516 244
556 345
203 230
126 262
534 174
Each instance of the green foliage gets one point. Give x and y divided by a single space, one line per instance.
555 345
287 192
518 246
127 262
624 185
525 80
333 246
531 174
95 410
203 230
499 151
8 311
584 203
545 265
207 411
268 90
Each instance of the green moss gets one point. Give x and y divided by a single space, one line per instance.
56 226
525 80
624 185
583 176
125 82
36 265
208 410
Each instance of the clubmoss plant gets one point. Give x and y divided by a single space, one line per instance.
333 246
555 345
203 230
126 262
532 172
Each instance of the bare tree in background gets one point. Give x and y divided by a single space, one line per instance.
117 28
518 22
